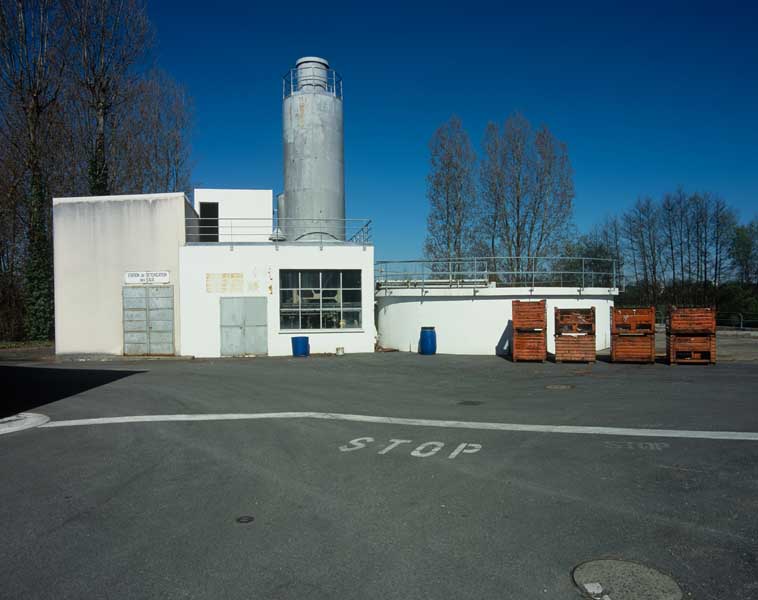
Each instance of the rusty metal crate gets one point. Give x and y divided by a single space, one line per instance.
691 320
691 335
691 349
633 334
529 330
575 335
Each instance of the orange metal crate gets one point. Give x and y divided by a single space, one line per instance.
633 334
575 334
529 330
691 335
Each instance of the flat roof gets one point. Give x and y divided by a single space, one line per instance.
119 198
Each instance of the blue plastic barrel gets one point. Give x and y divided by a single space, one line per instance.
427 343
300 346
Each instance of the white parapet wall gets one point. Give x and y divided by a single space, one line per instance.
478 320
210 272
244 215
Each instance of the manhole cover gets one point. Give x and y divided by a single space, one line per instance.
558 386
245 519
624 580
471 402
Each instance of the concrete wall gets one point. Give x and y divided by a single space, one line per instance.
469 321
259 266
240 204
96 240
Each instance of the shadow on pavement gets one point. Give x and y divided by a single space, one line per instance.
31 387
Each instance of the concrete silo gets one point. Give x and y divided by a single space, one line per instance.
313 206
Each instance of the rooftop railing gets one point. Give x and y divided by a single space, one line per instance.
313 80
500 271
248 231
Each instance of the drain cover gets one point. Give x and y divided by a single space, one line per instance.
245 519
471 402
624 580
558 386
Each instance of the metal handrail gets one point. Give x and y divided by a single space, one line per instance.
282 230
311 80
499 271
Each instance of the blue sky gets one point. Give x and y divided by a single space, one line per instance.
647 98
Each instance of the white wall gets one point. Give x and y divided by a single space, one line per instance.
240 204
259 265
95 241
469 321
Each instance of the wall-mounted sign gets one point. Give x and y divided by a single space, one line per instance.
146 277
224 283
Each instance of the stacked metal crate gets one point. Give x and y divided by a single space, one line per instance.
633 334
691 335
529 330
575 334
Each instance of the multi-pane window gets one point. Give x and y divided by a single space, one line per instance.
320 299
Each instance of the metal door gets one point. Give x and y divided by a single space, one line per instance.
243 326
148 319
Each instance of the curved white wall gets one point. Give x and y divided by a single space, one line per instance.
469 321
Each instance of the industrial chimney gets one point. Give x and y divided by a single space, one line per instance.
313 206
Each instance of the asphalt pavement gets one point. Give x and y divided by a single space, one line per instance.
311 505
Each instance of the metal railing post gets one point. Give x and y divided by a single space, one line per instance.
582 273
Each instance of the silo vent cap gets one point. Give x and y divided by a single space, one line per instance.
312 59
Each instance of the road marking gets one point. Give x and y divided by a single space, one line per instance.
466 448
356 444
423 450
656 446
22 421
748 436
393 444
427 449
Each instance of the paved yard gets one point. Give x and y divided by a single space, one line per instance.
391 476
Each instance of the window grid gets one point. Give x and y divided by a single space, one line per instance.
336 316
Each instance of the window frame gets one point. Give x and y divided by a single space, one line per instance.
330 309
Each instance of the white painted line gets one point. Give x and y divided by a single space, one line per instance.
22 421
749 436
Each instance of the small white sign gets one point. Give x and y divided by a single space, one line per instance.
146 277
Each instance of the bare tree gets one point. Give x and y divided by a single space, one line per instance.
723 221
526 192
150 138
75 102
645 246
31 67
491 214
109 40
550 209
451 192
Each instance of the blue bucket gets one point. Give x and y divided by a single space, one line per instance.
300 346
427 343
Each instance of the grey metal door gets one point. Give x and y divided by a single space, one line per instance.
243 326
148 319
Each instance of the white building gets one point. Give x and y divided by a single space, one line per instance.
226 276
145 275
478 320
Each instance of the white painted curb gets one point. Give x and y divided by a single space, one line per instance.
22 421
